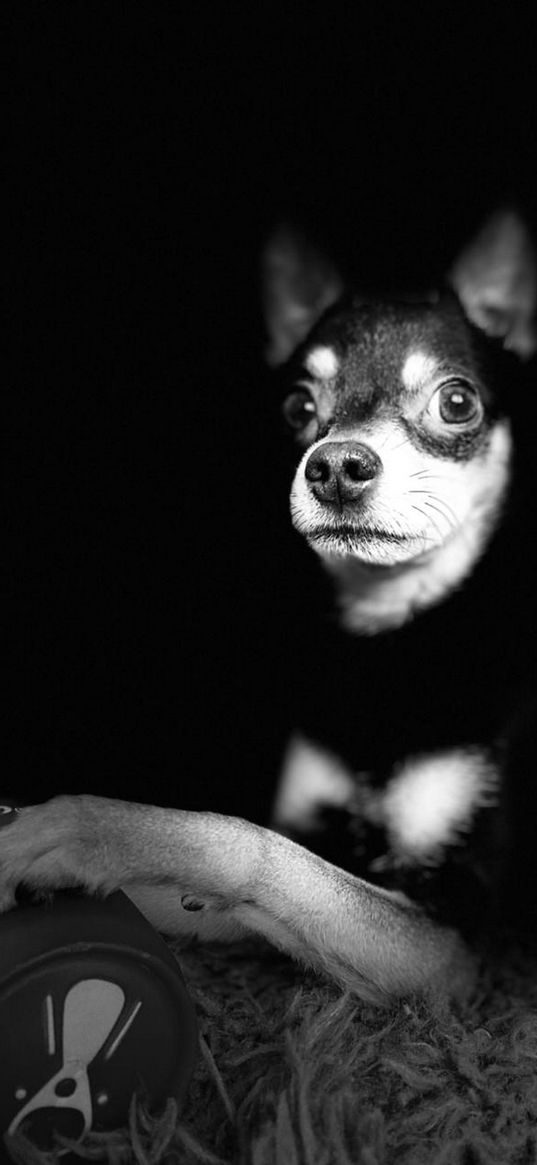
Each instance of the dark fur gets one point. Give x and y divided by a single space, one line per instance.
461 673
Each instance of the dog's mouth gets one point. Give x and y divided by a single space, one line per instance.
373 546
353 535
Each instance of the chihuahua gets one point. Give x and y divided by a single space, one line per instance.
392 819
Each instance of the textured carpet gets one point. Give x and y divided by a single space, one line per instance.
291 1071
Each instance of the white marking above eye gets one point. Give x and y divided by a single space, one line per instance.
322 362
418 369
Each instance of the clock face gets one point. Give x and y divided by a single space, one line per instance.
81 1031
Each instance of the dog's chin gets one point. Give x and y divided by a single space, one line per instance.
371 547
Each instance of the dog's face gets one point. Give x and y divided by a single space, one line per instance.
403 442
401 430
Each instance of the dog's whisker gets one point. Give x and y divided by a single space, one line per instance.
428 519
443 504
438 510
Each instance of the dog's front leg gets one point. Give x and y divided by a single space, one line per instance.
373 942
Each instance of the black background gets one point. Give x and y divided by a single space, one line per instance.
150 571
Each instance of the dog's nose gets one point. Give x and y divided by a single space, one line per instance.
338 471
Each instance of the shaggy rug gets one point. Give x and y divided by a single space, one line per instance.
293 1072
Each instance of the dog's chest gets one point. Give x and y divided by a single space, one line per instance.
444 679
444 686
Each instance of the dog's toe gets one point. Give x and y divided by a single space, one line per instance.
7 898
39 850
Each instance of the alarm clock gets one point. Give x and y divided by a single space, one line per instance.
93 1008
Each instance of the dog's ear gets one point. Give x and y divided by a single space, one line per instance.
298 284
495 279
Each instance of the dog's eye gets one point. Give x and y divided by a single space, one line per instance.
299 409
457 403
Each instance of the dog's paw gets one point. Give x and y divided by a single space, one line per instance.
43 849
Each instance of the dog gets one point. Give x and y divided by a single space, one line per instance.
389 826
